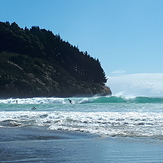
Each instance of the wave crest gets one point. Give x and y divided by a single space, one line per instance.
121 99
84 100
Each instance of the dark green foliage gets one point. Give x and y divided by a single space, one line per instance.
40 63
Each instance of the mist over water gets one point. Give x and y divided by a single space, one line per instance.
141 84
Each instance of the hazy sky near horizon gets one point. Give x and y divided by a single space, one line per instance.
126 35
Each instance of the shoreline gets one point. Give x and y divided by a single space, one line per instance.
37 144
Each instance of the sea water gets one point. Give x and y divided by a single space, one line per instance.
120 118
109 116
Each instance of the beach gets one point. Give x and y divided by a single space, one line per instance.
31 144
90 130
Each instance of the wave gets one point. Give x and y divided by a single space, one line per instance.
35 100
130 124
116 99
83 100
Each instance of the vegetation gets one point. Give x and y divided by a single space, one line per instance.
35 62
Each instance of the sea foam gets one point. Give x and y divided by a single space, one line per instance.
102 123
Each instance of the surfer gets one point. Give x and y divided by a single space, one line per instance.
34 108
70 101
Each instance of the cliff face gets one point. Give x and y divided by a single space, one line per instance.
37 63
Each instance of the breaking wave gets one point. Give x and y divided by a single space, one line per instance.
112 115
101 123
115 99
83 100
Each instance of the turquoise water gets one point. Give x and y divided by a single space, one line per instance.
109 116
94 129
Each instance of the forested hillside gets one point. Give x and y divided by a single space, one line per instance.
35 62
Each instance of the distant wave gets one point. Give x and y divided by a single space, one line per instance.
115 99
83 100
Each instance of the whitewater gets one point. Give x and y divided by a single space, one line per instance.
112 116
81 129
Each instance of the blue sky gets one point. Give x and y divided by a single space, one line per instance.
126 35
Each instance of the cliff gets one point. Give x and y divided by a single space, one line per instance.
35 62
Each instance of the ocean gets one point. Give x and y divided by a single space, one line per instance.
81 129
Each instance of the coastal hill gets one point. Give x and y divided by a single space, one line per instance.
35 62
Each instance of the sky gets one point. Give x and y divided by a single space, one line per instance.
125 35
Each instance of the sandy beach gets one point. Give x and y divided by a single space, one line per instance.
29 144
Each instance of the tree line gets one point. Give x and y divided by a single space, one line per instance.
42 43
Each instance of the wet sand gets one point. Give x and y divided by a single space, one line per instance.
39 145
